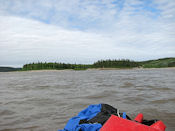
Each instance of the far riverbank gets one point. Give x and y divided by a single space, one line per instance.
99 65
54 70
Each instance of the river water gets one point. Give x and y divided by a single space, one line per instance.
45 100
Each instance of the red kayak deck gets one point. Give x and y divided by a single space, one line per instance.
115 123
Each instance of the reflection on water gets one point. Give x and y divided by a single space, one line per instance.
45 100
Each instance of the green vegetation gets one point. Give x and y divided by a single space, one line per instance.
7 69
115 64
56 66
124 63
98 64
159 63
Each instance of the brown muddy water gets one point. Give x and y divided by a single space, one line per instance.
45 100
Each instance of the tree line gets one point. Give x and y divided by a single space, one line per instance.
57 66
124 63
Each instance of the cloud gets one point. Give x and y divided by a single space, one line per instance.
168 9
85 31
24 41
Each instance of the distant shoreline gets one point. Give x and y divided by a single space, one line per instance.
121 64
53 70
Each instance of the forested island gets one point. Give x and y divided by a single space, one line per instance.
98 64
123 63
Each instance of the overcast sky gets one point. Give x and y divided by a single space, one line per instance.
84 31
